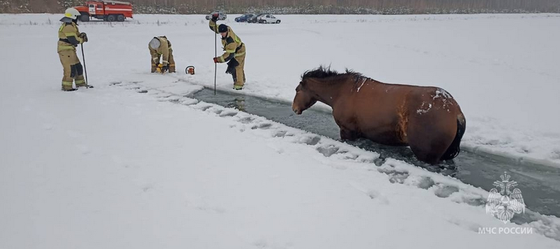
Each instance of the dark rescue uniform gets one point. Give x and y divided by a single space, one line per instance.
234 54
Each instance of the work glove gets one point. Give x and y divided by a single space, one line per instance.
215 17
216 60
83 36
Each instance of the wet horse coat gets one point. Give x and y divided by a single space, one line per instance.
428 119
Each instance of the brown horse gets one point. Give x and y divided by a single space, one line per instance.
425 118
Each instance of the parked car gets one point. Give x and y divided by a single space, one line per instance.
268 18
244 18
222 15
255 18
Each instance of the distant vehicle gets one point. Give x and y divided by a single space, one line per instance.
268 18
255 18
221 16
107 10
244 18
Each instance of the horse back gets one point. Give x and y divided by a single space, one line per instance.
374 110
430 101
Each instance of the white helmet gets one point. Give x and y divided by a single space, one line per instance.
155 43
72 13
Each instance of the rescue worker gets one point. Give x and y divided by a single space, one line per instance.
68 39
160 47
234 52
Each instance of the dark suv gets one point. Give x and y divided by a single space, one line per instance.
244 18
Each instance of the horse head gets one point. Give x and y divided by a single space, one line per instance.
304 98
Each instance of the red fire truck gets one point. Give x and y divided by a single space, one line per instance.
107 10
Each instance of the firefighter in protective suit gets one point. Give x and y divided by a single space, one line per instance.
234 52
69 37
161 47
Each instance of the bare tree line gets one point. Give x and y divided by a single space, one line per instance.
298 7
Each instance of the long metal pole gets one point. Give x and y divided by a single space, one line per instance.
84 59
215 54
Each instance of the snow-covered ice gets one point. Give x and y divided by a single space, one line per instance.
112 168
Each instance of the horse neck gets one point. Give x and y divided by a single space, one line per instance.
325 91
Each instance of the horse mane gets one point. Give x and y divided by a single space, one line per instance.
326 72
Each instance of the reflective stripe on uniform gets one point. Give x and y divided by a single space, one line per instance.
80 82
221 59
63 47
230 51
239 54
70 34
67 83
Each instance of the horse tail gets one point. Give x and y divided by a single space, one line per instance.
455 146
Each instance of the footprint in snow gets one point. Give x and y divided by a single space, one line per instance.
445 191
279 134
203 107
264 126
174 100
398 177
228 114
350 156
246 120
474 201
423 182
310 140
328 150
